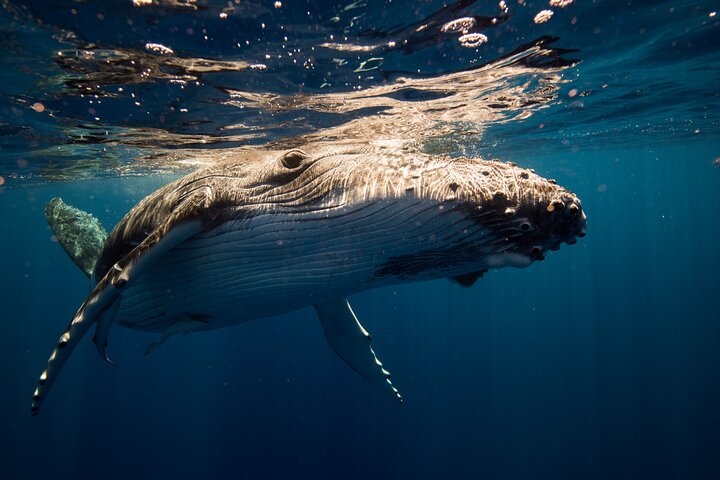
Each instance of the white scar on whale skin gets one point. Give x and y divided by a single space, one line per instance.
272 232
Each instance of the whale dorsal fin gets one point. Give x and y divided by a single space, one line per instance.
351 342
80 234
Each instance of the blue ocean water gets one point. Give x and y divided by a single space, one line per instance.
600 362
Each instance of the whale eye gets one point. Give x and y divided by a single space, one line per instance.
287 167
293 159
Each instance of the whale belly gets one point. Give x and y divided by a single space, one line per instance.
276 263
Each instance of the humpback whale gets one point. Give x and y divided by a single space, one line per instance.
269 232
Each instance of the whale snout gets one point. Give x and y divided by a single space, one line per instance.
561 219
530 214
521 215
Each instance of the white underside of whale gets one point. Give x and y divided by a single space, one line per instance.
272 264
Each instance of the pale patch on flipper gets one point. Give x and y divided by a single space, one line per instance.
110 286
351 342
183 326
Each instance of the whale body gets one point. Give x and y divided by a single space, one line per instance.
270 232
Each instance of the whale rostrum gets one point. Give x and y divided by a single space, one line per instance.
269 232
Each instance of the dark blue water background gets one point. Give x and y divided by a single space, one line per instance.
601 362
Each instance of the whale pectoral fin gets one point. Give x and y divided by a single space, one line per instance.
351 342
183 326
102 327
104 294
152 346
468 279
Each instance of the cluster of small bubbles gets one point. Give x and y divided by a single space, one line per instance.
561 3
459 25
159 48
503 6
543 16
472 40
464 25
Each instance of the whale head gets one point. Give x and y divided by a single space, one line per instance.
455 214
483 213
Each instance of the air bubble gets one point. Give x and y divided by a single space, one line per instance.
472 40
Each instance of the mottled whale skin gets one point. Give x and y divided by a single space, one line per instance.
270 232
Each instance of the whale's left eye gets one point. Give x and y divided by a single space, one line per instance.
287 167
293 159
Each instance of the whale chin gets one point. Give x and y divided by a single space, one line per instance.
517 260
